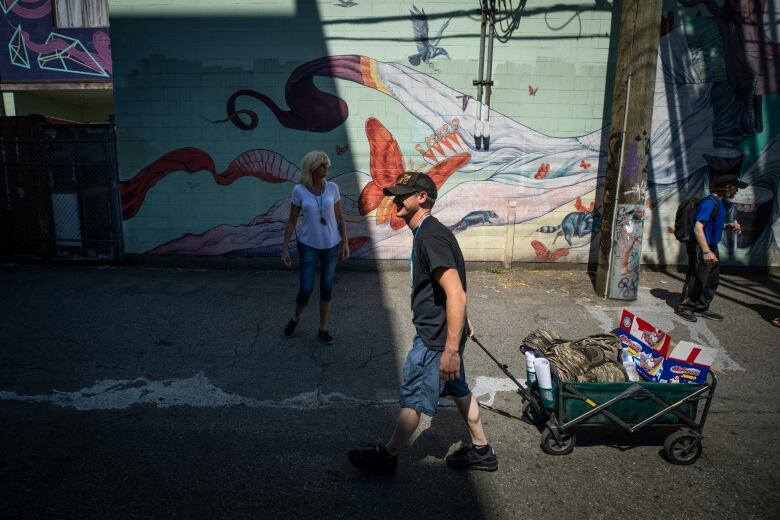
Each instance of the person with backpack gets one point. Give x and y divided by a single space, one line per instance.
703 276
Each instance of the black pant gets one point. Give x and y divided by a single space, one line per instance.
702 279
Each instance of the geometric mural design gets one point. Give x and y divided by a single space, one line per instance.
74 58
17 49
7 5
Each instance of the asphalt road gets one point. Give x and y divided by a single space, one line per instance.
164 393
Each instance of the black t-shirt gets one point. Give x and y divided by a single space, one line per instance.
434 246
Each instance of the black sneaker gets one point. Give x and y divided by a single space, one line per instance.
467 457
325 337
290 328
709 315
373 459
685 313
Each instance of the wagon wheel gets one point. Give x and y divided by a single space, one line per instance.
552 446
682 447
529 414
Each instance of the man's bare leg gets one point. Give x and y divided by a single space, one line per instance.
405 425
469 410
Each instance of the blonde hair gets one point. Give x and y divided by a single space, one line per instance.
310 162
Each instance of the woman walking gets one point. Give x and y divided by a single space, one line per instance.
322 238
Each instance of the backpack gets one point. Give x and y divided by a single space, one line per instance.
684 218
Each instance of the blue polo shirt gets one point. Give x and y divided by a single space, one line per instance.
713 229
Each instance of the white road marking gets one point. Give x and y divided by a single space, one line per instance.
491 385
195 391
658 313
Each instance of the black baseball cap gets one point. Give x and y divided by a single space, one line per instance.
412 182
729 180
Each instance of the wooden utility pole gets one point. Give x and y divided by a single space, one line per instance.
623 203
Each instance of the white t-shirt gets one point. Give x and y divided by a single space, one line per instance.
314 207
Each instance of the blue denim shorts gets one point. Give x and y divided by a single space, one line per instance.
422 388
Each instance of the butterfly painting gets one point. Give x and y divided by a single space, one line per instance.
387 164
532 91
584 164
542 172
581 208
341 150
545 255
464 100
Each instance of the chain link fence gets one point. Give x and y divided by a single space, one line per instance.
59 192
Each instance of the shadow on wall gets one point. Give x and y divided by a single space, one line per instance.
715 93
449 147
206 142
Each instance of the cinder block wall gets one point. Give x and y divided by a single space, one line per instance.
198 181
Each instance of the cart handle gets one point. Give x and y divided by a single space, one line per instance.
504 368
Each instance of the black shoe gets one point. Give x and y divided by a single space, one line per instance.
685 313
709 315
290 328
373 459
467 457
325 337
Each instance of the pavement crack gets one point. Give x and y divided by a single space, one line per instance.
254 341
372 357
314 352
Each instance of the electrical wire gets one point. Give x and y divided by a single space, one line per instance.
509 22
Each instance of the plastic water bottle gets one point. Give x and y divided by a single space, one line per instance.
631 372
629 364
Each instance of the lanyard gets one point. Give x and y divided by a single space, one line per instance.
411 260
318 199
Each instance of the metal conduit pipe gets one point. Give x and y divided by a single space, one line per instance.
489 81
479 81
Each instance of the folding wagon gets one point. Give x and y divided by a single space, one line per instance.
632 406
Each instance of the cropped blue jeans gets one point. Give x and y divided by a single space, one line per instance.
309 258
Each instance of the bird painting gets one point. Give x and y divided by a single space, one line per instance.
464 100
427 48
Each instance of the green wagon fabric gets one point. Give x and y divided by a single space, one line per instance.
632 410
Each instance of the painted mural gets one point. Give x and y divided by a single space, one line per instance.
35 50
716 110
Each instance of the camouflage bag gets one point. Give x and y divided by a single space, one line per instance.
609 344
570 362
607 373
594 358
541 340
